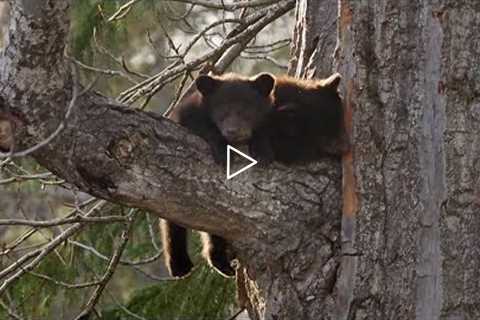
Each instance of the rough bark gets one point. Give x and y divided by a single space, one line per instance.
314 38
412 98
283 221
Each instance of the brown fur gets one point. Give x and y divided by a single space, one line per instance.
227 109
307 121
223 110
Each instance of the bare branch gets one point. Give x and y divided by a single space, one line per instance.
61 221
18 241
110 269
122 262
26 177
229 7
152 85
39 254
123 308
120 61
153 235
106 72
236 314
123 10
266 58
65 284
10 312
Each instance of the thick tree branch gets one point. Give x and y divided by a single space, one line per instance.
137 158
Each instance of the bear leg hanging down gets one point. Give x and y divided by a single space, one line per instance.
174 241
223 110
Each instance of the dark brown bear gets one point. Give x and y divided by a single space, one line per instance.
224 110
307 121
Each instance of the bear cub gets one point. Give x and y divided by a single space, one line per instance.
224 109
228 109
306 123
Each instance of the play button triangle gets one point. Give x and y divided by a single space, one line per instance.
251 164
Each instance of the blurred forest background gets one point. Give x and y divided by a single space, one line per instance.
115 48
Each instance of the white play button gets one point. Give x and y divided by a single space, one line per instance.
251 164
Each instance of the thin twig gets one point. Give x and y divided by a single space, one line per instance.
65 284
114 261
39 254
60 221
151 85
123 308
122 262
106 72
236 314
123 10
10 312
229 7
152 233
275 62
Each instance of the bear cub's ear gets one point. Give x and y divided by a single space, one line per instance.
206 84
264 83
332 82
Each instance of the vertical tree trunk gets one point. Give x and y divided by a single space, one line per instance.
314 38
412 90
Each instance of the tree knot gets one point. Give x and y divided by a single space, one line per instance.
123 149
9 124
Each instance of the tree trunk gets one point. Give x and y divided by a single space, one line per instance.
314 38
412 89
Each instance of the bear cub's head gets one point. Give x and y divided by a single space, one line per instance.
236 104
308 108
